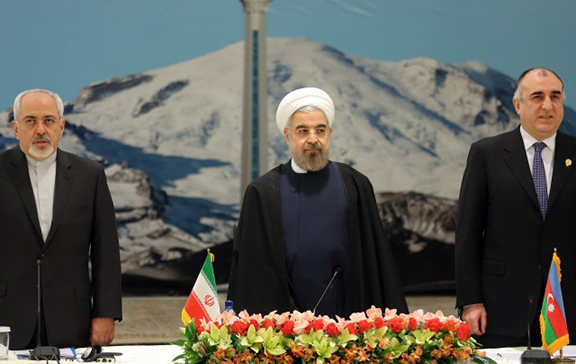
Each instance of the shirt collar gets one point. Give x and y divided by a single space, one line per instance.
529 140
297 168
42 164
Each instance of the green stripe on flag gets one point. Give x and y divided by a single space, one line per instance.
208 273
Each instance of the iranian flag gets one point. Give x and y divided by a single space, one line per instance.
203 301
553 318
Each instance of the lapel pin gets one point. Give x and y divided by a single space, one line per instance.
568 162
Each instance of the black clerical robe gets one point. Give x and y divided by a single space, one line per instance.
259 280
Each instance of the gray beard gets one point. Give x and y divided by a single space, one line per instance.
311 162
41 153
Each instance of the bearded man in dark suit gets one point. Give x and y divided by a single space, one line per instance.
517 203
56 215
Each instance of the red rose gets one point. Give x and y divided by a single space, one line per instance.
308 328
396 324
239 327
434 325
287 328
318 325
412 324
332 330
450 325
463 331
364 326
379 322
254 323
351 328
268 323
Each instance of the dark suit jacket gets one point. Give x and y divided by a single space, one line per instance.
503 246
83 227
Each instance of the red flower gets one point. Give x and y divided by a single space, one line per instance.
332 330
239 327
268 323
318 325
254 323
351 328
396 324
450 325
364 326
379 322
287 328
200 329
308 328
412 324
463 331
434 325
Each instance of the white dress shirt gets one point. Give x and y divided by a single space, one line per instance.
43 179
547 154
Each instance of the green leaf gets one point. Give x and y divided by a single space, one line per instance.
422 336
325 347
397 347
346 337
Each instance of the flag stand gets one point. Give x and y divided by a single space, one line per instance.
562 360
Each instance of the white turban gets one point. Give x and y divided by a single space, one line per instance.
307 96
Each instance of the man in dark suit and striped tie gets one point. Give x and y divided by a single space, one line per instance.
518 203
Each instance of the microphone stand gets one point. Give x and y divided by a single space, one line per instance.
42 352
533 356
336 271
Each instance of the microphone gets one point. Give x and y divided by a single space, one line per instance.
337 270
42 352
533 356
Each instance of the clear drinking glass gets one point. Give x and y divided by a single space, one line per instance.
4 342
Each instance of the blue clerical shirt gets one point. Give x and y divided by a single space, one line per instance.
315 234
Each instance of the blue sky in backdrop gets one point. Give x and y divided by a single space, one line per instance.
64 45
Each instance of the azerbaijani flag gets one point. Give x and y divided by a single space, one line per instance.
553 318
203 300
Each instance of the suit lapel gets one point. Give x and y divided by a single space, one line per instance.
515 157
22 180
563 166
61 191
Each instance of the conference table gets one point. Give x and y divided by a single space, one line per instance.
163 354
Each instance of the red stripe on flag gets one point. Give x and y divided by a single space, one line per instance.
555 317
195 309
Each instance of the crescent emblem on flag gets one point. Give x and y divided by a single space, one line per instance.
209 301
549 297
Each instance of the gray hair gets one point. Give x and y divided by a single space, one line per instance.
18 101
518 91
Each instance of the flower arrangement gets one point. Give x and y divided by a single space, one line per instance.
367 337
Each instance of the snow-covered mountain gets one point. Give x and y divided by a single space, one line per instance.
407 125
173 135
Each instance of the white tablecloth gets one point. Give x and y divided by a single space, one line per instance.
163 354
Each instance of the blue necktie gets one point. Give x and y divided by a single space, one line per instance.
539 175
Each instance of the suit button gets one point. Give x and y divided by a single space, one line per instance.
539 267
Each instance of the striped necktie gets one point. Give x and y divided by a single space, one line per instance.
539 176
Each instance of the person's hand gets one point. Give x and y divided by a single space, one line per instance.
475 317
102 331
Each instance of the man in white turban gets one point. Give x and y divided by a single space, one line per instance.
309 235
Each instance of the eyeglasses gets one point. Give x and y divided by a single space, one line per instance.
95 353
305 133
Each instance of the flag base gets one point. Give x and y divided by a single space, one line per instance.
563 361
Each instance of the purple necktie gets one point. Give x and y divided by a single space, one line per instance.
539 175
